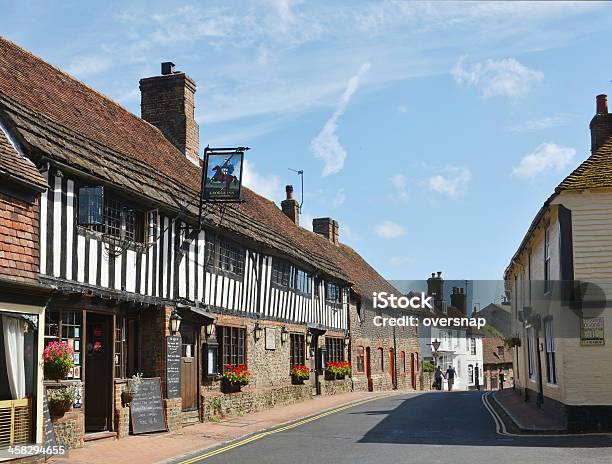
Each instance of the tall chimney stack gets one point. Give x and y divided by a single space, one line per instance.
290 206
601 124
168 102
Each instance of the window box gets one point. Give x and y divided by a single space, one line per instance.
228 386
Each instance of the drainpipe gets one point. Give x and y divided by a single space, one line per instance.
540 399
395 360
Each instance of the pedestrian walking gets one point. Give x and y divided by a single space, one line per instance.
450 376
438 378
501 375
477 377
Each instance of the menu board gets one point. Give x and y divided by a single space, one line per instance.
173 367
147 409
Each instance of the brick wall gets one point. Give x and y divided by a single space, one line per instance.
174 409
122 412
154 328
19 258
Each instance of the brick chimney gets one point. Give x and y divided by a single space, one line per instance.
435 287
168 102
328 228
459 299
290 206
601 124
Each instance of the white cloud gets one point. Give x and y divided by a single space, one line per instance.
326 145
338 199
398 261
84 66
400 182
306 220
559 119
389 229
547 156
506 77
402 109
266 185
453 182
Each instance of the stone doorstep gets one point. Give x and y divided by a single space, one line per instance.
519 425
98 436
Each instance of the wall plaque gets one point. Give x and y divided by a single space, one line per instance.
592 331
270 338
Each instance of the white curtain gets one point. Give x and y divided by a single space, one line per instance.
13 350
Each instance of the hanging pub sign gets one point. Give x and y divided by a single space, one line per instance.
222 174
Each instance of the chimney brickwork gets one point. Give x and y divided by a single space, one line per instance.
435 287
328 228
601 124
290 206
168 102
459 299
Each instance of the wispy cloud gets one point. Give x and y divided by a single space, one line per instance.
326 146
399 261
452 181
505 77
546 157
338 199
559 119
85 66
389 229
400 183
267 185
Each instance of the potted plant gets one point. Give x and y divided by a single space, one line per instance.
60 401
299 373
127 395
235 377
337 370
58 359
344 369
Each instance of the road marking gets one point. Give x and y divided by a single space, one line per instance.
501 426
260 435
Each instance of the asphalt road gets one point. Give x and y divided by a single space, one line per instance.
414 428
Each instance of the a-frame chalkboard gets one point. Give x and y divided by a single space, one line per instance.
147 408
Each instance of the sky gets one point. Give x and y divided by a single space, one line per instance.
433 132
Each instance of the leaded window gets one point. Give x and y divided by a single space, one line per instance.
225 256
333 292
281 272
233 348
335 349
297 349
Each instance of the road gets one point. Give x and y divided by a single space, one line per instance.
413 428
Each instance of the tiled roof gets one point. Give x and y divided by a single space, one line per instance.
70 123
13 165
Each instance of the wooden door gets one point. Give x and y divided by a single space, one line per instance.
412 371
189 368
368 368
98 373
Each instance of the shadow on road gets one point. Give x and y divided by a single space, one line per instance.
454 419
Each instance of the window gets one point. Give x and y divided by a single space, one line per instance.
66 326
109 215
500 351
473 346
360 361
549 337
381 360
120 347
303 281
333 292
152 226
403 362
546 260
530 353
470 373
233 348
225 256
317 288
281 271
335 349
297 349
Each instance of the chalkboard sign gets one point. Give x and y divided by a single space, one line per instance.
49 438
173 367
147 409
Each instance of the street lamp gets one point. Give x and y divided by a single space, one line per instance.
435 345
308 338
175 321
284 335
257 331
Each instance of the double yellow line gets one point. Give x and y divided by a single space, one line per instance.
261 435
501 429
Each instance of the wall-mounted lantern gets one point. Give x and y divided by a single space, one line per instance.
309 339
257 331
175 321
347 338
210 329
284 335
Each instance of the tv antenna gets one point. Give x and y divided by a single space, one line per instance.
301 174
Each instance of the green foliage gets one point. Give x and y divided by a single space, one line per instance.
428 366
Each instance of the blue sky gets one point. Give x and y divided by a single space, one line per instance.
431 132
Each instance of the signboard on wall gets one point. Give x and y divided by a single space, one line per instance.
592 331
222 175
173 366
270 338
147 409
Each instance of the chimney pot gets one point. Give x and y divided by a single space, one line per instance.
167 67
439 273
433 274
289 190
602 104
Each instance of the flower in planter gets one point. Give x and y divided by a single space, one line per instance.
338 368
58 359
299 371
237 374
60 400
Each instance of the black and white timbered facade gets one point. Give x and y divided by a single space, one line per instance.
149 256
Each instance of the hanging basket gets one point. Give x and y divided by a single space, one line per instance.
57 409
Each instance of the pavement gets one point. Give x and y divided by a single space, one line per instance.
436 427
527 417
160 447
